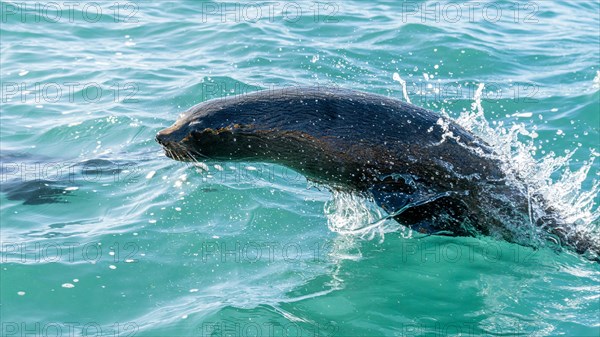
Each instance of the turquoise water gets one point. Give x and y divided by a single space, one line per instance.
102 235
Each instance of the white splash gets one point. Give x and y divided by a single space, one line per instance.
202 166
150 174
515 147
522 114
396 77
352 214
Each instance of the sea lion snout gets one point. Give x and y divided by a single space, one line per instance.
162 137
172 134
170 139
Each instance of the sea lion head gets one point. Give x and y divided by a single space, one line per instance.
247 127
210 131
304 129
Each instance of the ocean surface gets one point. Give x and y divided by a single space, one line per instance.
102 235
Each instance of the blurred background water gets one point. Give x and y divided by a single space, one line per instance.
102 235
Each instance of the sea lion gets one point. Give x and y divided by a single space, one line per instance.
429 173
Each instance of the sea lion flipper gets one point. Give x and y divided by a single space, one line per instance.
442 213
390 201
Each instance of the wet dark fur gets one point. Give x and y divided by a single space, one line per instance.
436 176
